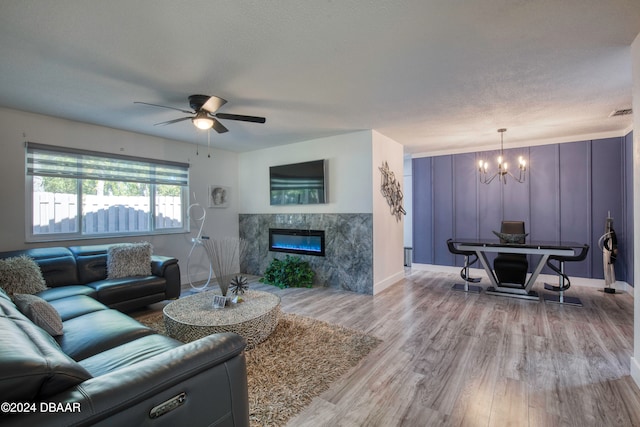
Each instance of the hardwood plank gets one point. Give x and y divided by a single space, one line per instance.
509 406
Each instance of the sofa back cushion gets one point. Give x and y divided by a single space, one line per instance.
32 365
57 264
91 261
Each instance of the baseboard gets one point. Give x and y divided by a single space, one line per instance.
196 279
384 284
548 278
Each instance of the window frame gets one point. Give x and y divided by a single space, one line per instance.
152 178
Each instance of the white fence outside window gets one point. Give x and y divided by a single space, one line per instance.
57 213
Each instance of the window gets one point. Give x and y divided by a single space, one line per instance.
81 194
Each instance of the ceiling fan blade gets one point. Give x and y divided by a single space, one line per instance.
219 127
213 103
172 121
164 106
242 118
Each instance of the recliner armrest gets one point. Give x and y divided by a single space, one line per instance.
210 371
168 268
160 263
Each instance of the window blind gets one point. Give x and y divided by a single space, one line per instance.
46 160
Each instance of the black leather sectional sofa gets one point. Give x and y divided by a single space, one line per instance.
106 368
83 270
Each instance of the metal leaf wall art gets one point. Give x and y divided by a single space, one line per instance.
391 190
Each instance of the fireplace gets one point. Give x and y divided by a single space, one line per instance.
303 242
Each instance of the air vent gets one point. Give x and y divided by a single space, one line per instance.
624 112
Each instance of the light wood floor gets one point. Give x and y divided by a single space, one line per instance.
455 359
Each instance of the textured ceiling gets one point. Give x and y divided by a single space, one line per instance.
434 75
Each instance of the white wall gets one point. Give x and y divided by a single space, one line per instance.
635 54
16 127
388 232
349 174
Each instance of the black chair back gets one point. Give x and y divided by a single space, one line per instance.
457 251
513 227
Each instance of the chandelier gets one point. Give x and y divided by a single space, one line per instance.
502 172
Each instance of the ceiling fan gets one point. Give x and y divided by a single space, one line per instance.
204 114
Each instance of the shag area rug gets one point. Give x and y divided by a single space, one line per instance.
298 362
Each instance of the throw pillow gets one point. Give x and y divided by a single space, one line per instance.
21 275
39 312
511 238
129 259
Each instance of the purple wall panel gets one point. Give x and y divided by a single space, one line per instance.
607 185
465 216
465 196
422 212
443 209
575 200
544 222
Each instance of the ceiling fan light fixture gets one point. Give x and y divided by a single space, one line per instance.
202 121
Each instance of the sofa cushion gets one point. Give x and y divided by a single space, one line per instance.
129 259
21 275
128 354
52 294
39 312
113 291
95 332
75 306
32 365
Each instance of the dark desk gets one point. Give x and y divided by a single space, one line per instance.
483 247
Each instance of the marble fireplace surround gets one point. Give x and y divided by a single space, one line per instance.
348 260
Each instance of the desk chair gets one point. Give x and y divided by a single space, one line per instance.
564 282
464 273
511 268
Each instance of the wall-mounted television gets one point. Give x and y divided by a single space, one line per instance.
298 183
